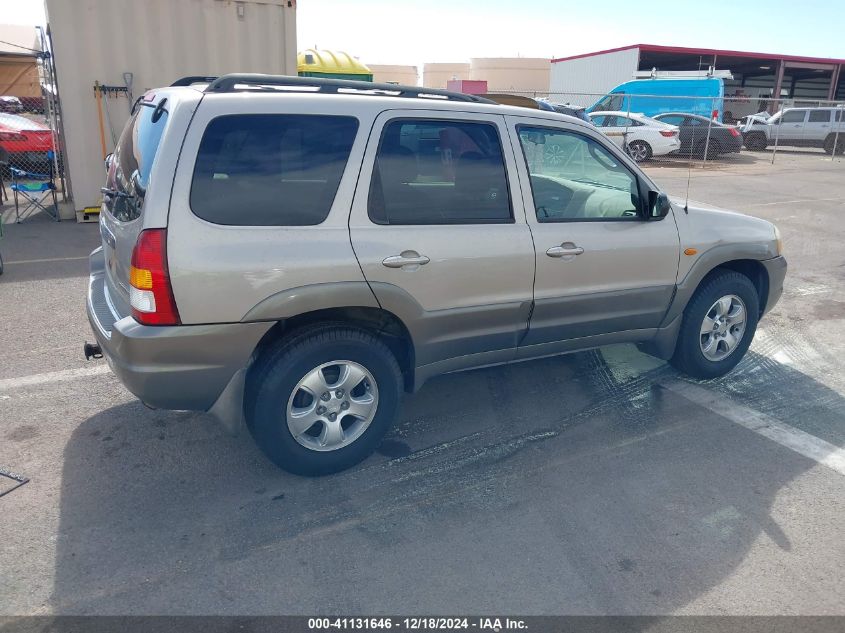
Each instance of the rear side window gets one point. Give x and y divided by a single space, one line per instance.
820 116
439 172
132 163
270 169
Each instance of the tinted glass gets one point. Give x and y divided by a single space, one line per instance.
672 119
574 178
132 163
794 116
270 169
820 116
439 172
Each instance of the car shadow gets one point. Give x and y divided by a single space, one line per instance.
564 485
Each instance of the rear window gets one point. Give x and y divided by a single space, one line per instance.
820 116
270 169
133 161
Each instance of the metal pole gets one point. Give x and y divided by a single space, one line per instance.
777 134
709 127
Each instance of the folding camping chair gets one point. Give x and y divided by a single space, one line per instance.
34 193
4 166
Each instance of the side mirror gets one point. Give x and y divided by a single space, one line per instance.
109 158
658 205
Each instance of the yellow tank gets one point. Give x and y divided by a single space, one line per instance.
331 64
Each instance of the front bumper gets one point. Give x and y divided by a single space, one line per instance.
776 269
169 367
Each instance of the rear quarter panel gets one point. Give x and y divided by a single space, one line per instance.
220 273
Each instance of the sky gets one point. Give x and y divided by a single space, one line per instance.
419 31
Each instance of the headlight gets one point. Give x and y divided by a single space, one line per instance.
778 241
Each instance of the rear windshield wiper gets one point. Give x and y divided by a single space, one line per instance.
114 193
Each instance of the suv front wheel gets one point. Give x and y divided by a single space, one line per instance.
718 325
321 400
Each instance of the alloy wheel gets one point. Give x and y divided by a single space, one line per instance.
723 327
332 405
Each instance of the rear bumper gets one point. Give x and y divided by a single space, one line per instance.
169 367
776 269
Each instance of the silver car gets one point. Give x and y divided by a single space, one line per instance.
290 254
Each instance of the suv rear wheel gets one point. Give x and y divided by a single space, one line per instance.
718 325
321 400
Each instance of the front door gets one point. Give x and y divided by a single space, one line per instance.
440 235
601 267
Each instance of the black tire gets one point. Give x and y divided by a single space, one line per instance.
639 156
1 263
280 368
840 144
688 357
755 141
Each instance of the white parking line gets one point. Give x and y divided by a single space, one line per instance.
10 384
43 261
795 439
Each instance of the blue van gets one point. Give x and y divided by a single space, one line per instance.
654 95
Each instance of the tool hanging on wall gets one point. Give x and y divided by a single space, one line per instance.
98 95
103 91
128 79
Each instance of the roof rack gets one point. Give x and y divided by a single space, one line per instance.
237 82
192 79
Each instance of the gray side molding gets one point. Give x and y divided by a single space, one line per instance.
289 303
708 261
442 334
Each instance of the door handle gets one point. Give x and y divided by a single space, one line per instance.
406 258
564 250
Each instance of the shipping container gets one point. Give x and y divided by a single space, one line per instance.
142 45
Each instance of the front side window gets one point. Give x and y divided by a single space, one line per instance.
270 169
793 116
439 172
574 178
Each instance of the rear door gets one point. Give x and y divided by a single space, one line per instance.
122 208
818 126
439 229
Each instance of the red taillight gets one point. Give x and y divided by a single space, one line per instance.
12 137
734 131
668 133
150 293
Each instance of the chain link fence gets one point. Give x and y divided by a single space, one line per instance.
30 139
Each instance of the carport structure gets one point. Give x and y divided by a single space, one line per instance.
789 76
756 76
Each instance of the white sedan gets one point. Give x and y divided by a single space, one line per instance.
641 136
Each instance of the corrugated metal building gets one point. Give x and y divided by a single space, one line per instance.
157 41
787 76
